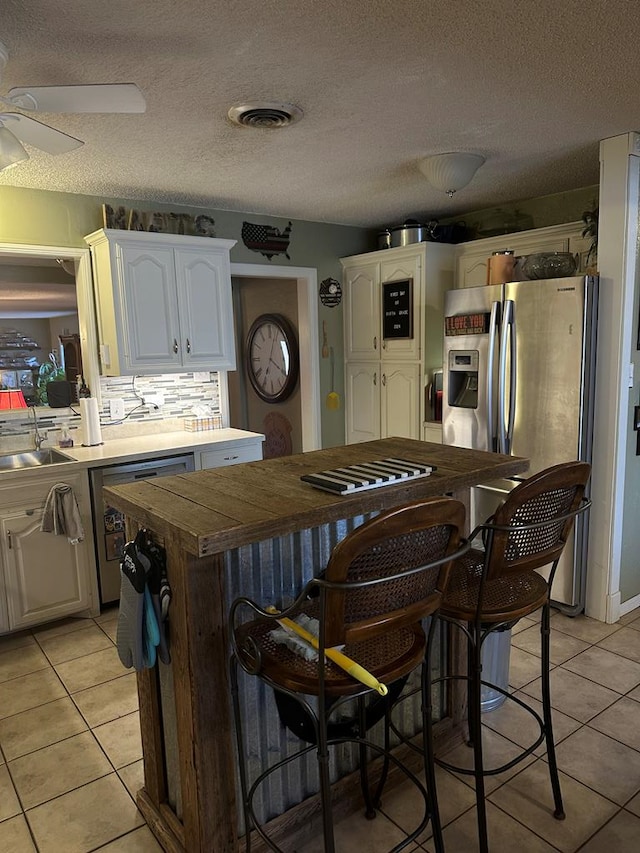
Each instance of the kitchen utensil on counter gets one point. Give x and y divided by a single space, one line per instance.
333 400
325 348
501 266
411 232
550 265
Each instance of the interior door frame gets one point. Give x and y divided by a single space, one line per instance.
86 304
306 279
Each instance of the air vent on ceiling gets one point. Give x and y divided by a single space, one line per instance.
265 114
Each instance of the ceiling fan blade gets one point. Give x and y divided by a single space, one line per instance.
41 136
93 98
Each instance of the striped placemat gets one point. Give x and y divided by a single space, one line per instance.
367 475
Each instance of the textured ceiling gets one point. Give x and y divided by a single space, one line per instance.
532 86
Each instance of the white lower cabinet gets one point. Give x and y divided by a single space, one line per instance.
362 401
44 577
382 400
400 400
233 454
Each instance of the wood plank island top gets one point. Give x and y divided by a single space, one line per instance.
223 508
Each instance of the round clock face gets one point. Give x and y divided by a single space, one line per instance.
272 357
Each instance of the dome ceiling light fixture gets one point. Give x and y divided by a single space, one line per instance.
452 171
12 151
265 114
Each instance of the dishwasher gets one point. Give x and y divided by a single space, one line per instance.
108 522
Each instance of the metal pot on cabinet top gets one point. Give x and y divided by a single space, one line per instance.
410 232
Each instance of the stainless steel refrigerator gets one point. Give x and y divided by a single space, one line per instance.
519 371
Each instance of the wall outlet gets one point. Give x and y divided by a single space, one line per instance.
201 376
154 401
116 409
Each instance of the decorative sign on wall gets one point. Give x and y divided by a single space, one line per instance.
164 223
330 292
397 309
266 239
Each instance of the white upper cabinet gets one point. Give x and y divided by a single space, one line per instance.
362 295
163 301
472 257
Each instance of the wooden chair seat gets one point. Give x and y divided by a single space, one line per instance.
505 598
388 657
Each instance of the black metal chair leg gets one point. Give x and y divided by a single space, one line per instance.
370 811
429 758
475 724
325 781
377 797
545 631
233 673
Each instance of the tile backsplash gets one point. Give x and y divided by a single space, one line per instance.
180 390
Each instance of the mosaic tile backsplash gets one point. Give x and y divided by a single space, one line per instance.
181 393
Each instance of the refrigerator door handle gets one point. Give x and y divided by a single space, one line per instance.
506 420
493 331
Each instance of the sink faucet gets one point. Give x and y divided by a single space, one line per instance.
38 437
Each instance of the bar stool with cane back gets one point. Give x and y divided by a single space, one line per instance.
380 582
491 589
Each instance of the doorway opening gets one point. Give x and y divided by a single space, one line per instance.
291 291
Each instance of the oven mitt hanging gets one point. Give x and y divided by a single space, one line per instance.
129 635
151 632
154 619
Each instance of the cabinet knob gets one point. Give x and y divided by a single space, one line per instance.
188 345
175 345
375 378
384 379
230 458
375 342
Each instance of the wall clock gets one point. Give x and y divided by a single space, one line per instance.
272 357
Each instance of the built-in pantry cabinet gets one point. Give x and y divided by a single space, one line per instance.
163 302
385 375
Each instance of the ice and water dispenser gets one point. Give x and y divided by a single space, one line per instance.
462 386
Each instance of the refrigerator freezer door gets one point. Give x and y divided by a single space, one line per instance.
550 365
471 366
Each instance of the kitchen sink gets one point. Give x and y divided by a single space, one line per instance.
31 459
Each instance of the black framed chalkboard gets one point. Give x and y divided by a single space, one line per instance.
397 309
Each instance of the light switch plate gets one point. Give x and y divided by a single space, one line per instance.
116 409
201 376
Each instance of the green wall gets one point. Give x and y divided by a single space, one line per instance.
62 219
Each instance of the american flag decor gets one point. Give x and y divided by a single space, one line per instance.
266 239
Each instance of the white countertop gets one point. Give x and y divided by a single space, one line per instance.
158 444
138 447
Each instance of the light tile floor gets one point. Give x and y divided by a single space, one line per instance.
70 753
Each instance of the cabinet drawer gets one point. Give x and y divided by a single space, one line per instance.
230 456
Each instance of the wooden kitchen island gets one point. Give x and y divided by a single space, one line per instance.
222 529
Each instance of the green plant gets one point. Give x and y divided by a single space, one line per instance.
590 220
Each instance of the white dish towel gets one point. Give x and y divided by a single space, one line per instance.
61 514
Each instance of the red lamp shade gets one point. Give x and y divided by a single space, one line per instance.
12 400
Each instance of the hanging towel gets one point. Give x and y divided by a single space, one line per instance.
61 514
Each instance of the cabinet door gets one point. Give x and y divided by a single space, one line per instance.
45 576
205 309
149 308
362 314
233 455
400 402
362 402
402 269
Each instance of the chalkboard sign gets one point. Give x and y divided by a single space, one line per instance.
397 309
